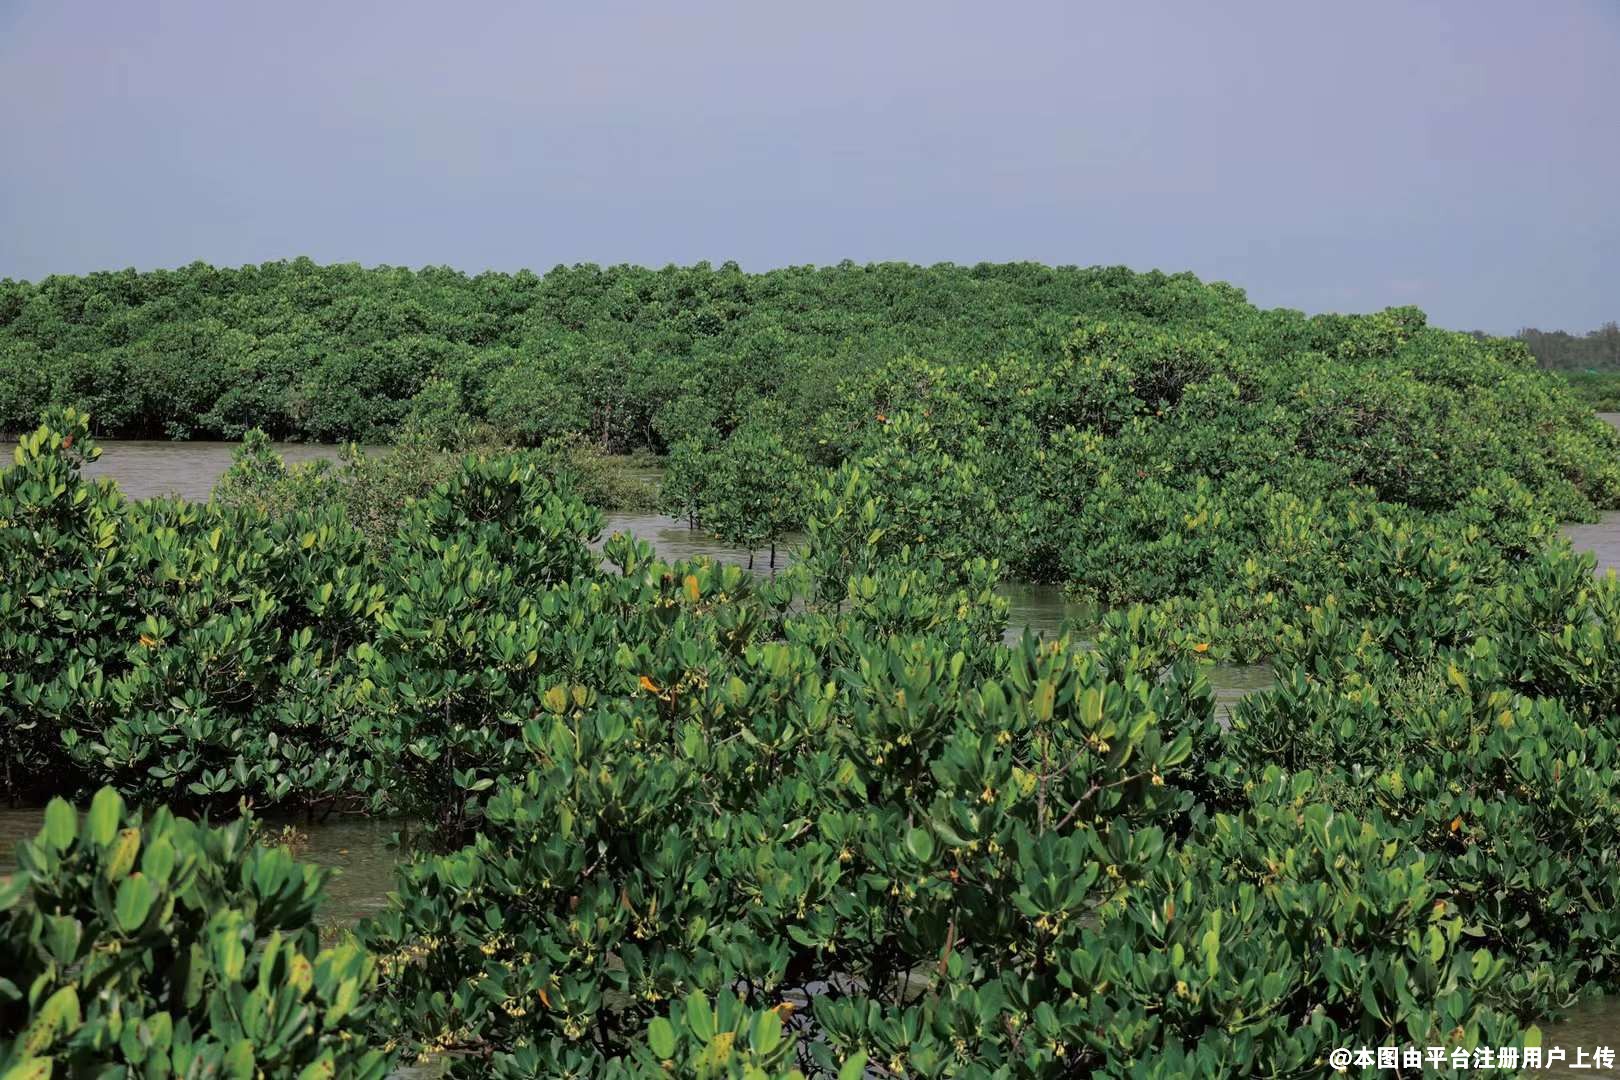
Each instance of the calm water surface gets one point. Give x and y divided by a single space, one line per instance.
145 468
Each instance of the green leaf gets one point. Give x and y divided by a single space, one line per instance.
699 1017
121 860
106 811
322 1068
661 1038
239 1061
58 1017
343 1001
1211 942
156 1032
34 1068
157 863
134 903
63 934
767 1033
12 889
229 954
1369 1001
63 1007
854 1068
61 825
555 699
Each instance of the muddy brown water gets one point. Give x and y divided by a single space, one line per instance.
146 468
360 851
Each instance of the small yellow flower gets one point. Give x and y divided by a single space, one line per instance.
149 641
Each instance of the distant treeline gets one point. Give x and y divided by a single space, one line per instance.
626 356
1598 350
1591 362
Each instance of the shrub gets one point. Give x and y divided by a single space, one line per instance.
134 945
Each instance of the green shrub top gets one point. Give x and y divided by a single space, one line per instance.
153 946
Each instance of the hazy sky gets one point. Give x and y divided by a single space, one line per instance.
1461 155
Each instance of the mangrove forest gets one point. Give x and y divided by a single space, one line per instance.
817 817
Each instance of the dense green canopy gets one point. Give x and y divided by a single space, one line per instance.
627 355
1134 436
624 354
689 821
686 821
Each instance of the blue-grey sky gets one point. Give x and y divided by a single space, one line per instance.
1322 154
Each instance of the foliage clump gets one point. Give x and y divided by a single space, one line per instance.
1135 438
135 945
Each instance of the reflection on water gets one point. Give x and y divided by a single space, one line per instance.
361 852
145 468
16 825
1601 538
1231 683
675 540
1044 609
1589 1026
